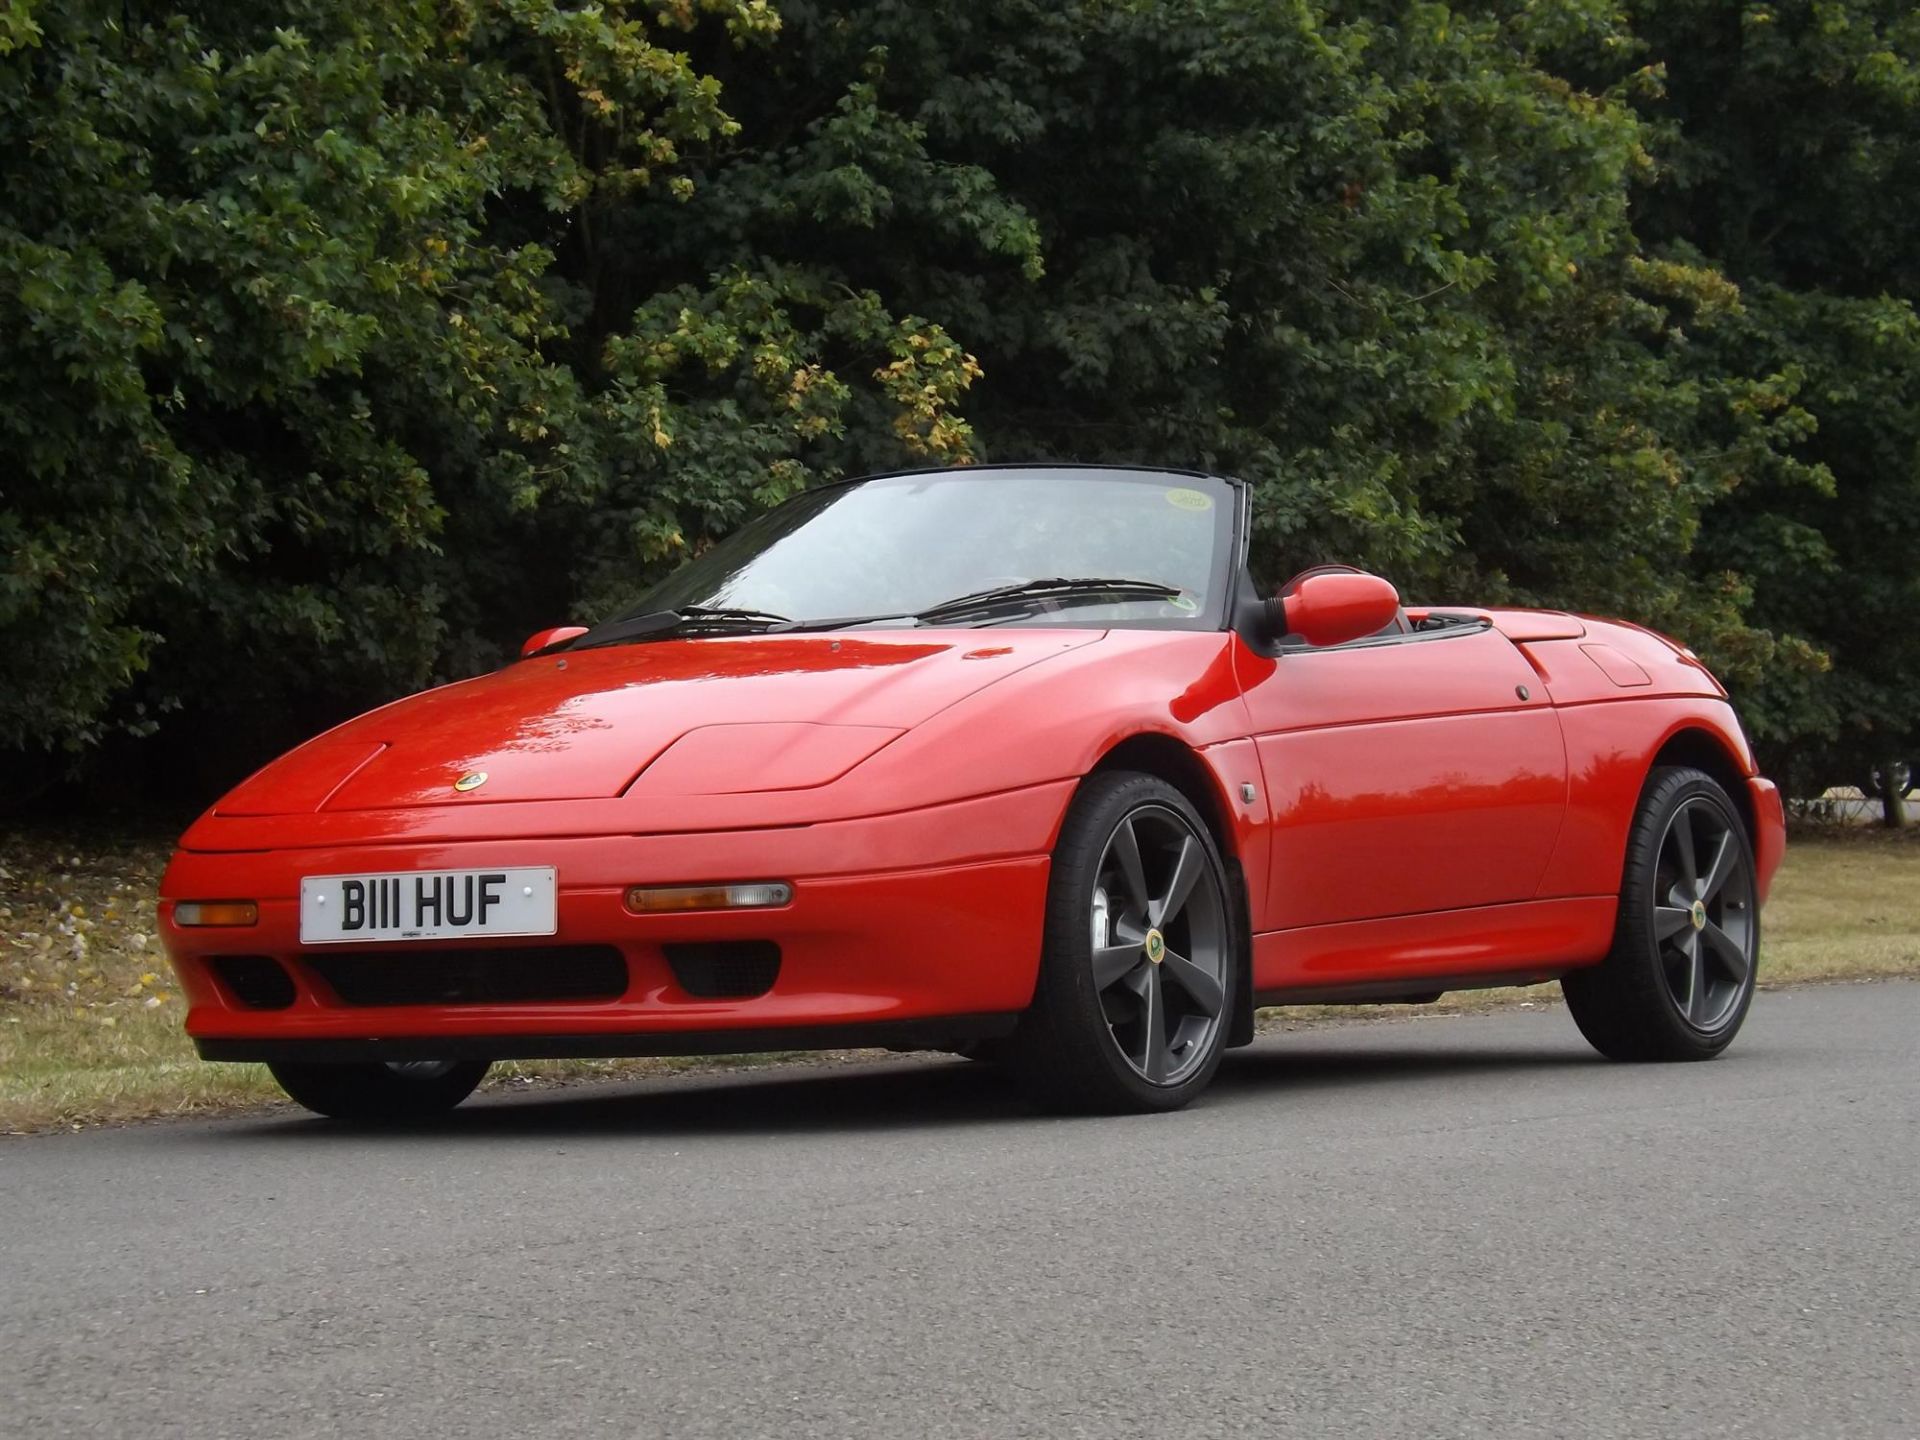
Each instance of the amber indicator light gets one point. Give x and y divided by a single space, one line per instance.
669 899
196 913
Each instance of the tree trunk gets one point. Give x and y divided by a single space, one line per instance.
1890 780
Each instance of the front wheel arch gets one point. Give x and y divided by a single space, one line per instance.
1168 759
1124 1017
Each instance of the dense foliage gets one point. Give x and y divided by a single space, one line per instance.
1792 133
348 342
326 325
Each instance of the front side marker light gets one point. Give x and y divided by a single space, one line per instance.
194 914
671 899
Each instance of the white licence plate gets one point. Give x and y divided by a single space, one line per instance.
428 905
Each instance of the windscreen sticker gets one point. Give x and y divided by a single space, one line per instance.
1190 499
1184 602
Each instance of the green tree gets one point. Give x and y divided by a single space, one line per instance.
1791 141
299 409
352 340
1379 259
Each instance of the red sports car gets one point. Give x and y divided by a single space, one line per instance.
1018 762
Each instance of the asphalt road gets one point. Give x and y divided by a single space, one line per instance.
1446 1227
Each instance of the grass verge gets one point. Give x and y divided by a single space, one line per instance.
90 1028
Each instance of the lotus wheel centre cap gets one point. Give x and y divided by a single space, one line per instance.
472 780
1698 914
1156 946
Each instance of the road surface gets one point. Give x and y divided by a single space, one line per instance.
1445 1227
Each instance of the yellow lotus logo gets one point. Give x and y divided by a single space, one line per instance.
472 780
1156 946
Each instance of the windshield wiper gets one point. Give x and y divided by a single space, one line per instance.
1058 588
1000 597
661 623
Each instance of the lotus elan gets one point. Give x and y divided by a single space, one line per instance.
1019 762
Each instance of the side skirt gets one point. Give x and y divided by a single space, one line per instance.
1420 955
1401 992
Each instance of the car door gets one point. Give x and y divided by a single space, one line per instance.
1405 773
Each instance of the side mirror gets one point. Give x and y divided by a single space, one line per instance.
541 639
1333 608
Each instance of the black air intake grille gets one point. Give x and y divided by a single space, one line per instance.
256 981
539 973
725 969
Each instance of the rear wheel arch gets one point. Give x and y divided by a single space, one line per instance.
1679 976
1173 761
1700 749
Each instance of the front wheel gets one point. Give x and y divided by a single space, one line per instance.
1137 974
396 1090
1680 977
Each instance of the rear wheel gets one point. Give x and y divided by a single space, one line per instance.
381 1090
1680 977
1137 976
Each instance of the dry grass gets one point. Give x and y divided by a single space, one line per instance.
90 1026
1846 906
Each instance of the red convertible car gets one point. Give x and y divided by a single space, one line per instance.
1018 762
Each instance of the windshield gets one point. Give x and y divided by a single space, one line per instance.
902 544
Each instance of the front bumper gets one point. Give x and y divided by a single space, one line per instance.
904 929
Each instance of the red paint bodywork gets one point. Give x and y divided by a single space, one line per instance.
1331 609
1408 815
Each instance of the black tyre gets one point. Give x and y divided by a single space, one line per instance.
1686 946
1137 974
380 1091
